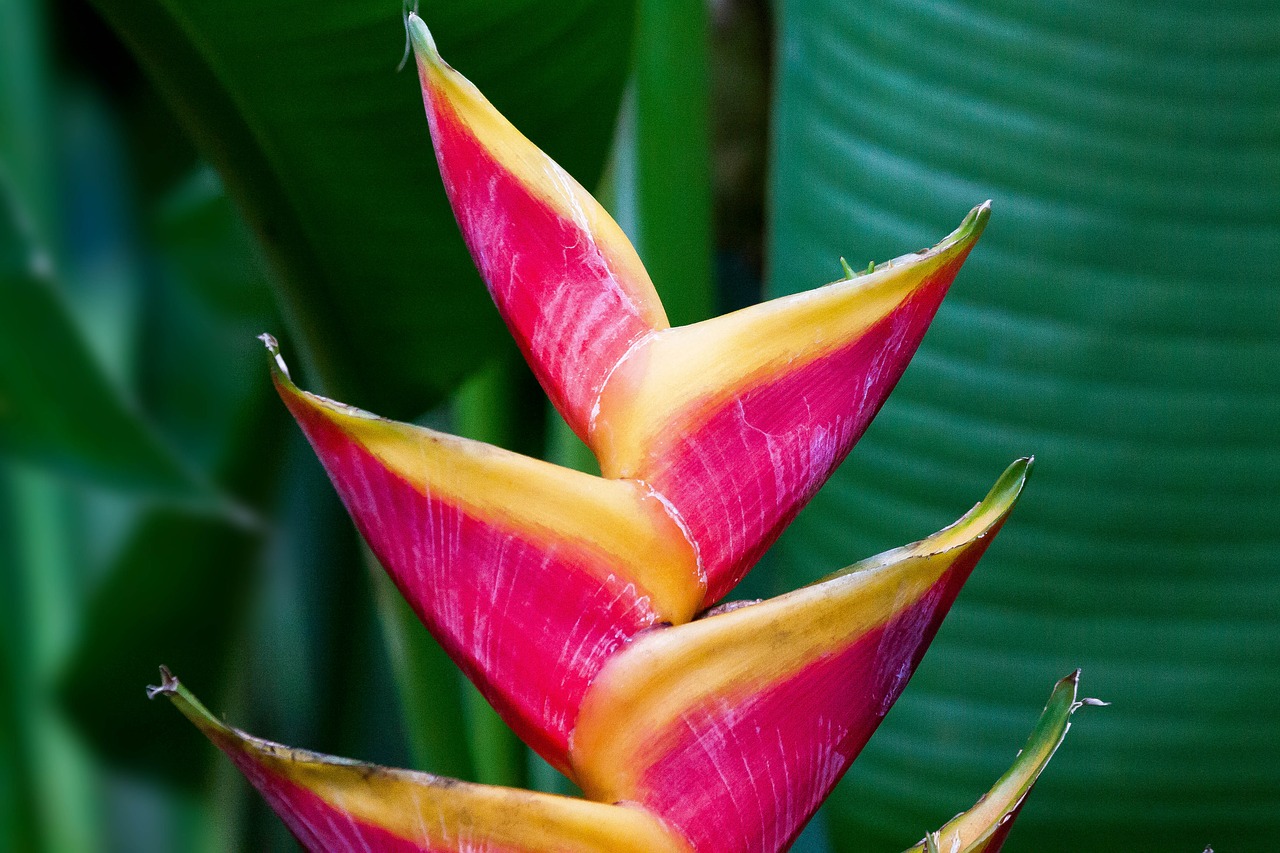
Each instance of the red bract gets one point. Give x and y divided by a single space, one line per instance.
578 604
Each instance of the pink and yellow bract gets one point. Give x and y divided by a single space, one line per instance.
583 607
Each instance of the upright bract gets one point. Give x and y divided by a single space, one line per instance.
578 604
564 277
735 422
984 827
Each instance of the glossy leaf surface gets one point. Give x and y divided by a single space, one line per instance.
335 804
735 727
1123 321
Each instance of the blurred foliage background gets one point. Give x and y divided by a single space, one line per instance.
177 177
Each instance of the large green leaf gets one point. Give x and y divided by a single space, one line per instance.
1121 320
326 149
57 406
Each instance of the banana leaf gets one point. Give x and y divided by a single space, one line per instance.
1121 321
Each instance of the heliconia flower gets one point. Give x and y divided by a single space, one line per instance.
710 437
735 422
579 604
984 827
532 576
735 727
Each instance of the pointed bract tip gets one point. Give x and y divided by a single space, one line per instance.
1011 482
168 684
273 347
972 225
424 46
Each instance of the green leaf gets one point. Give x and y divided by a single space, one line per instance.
326 149
1120 320
176 593
57 407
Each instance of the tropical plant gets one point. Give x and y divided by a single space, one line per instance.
176 177
586 608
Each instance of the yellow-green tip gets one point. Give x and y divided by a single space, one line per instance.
1011 482
959 240
969 229
189 705
424 46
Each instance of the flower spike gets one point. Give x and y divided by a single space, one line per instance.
735 421
984 827
529 574
581 606
735 727
339 805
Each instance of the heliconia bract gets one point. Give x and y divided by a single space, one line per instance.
772 701
337 805
579 605
530 575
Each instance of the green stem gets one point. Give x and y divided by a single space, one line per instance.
663 157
